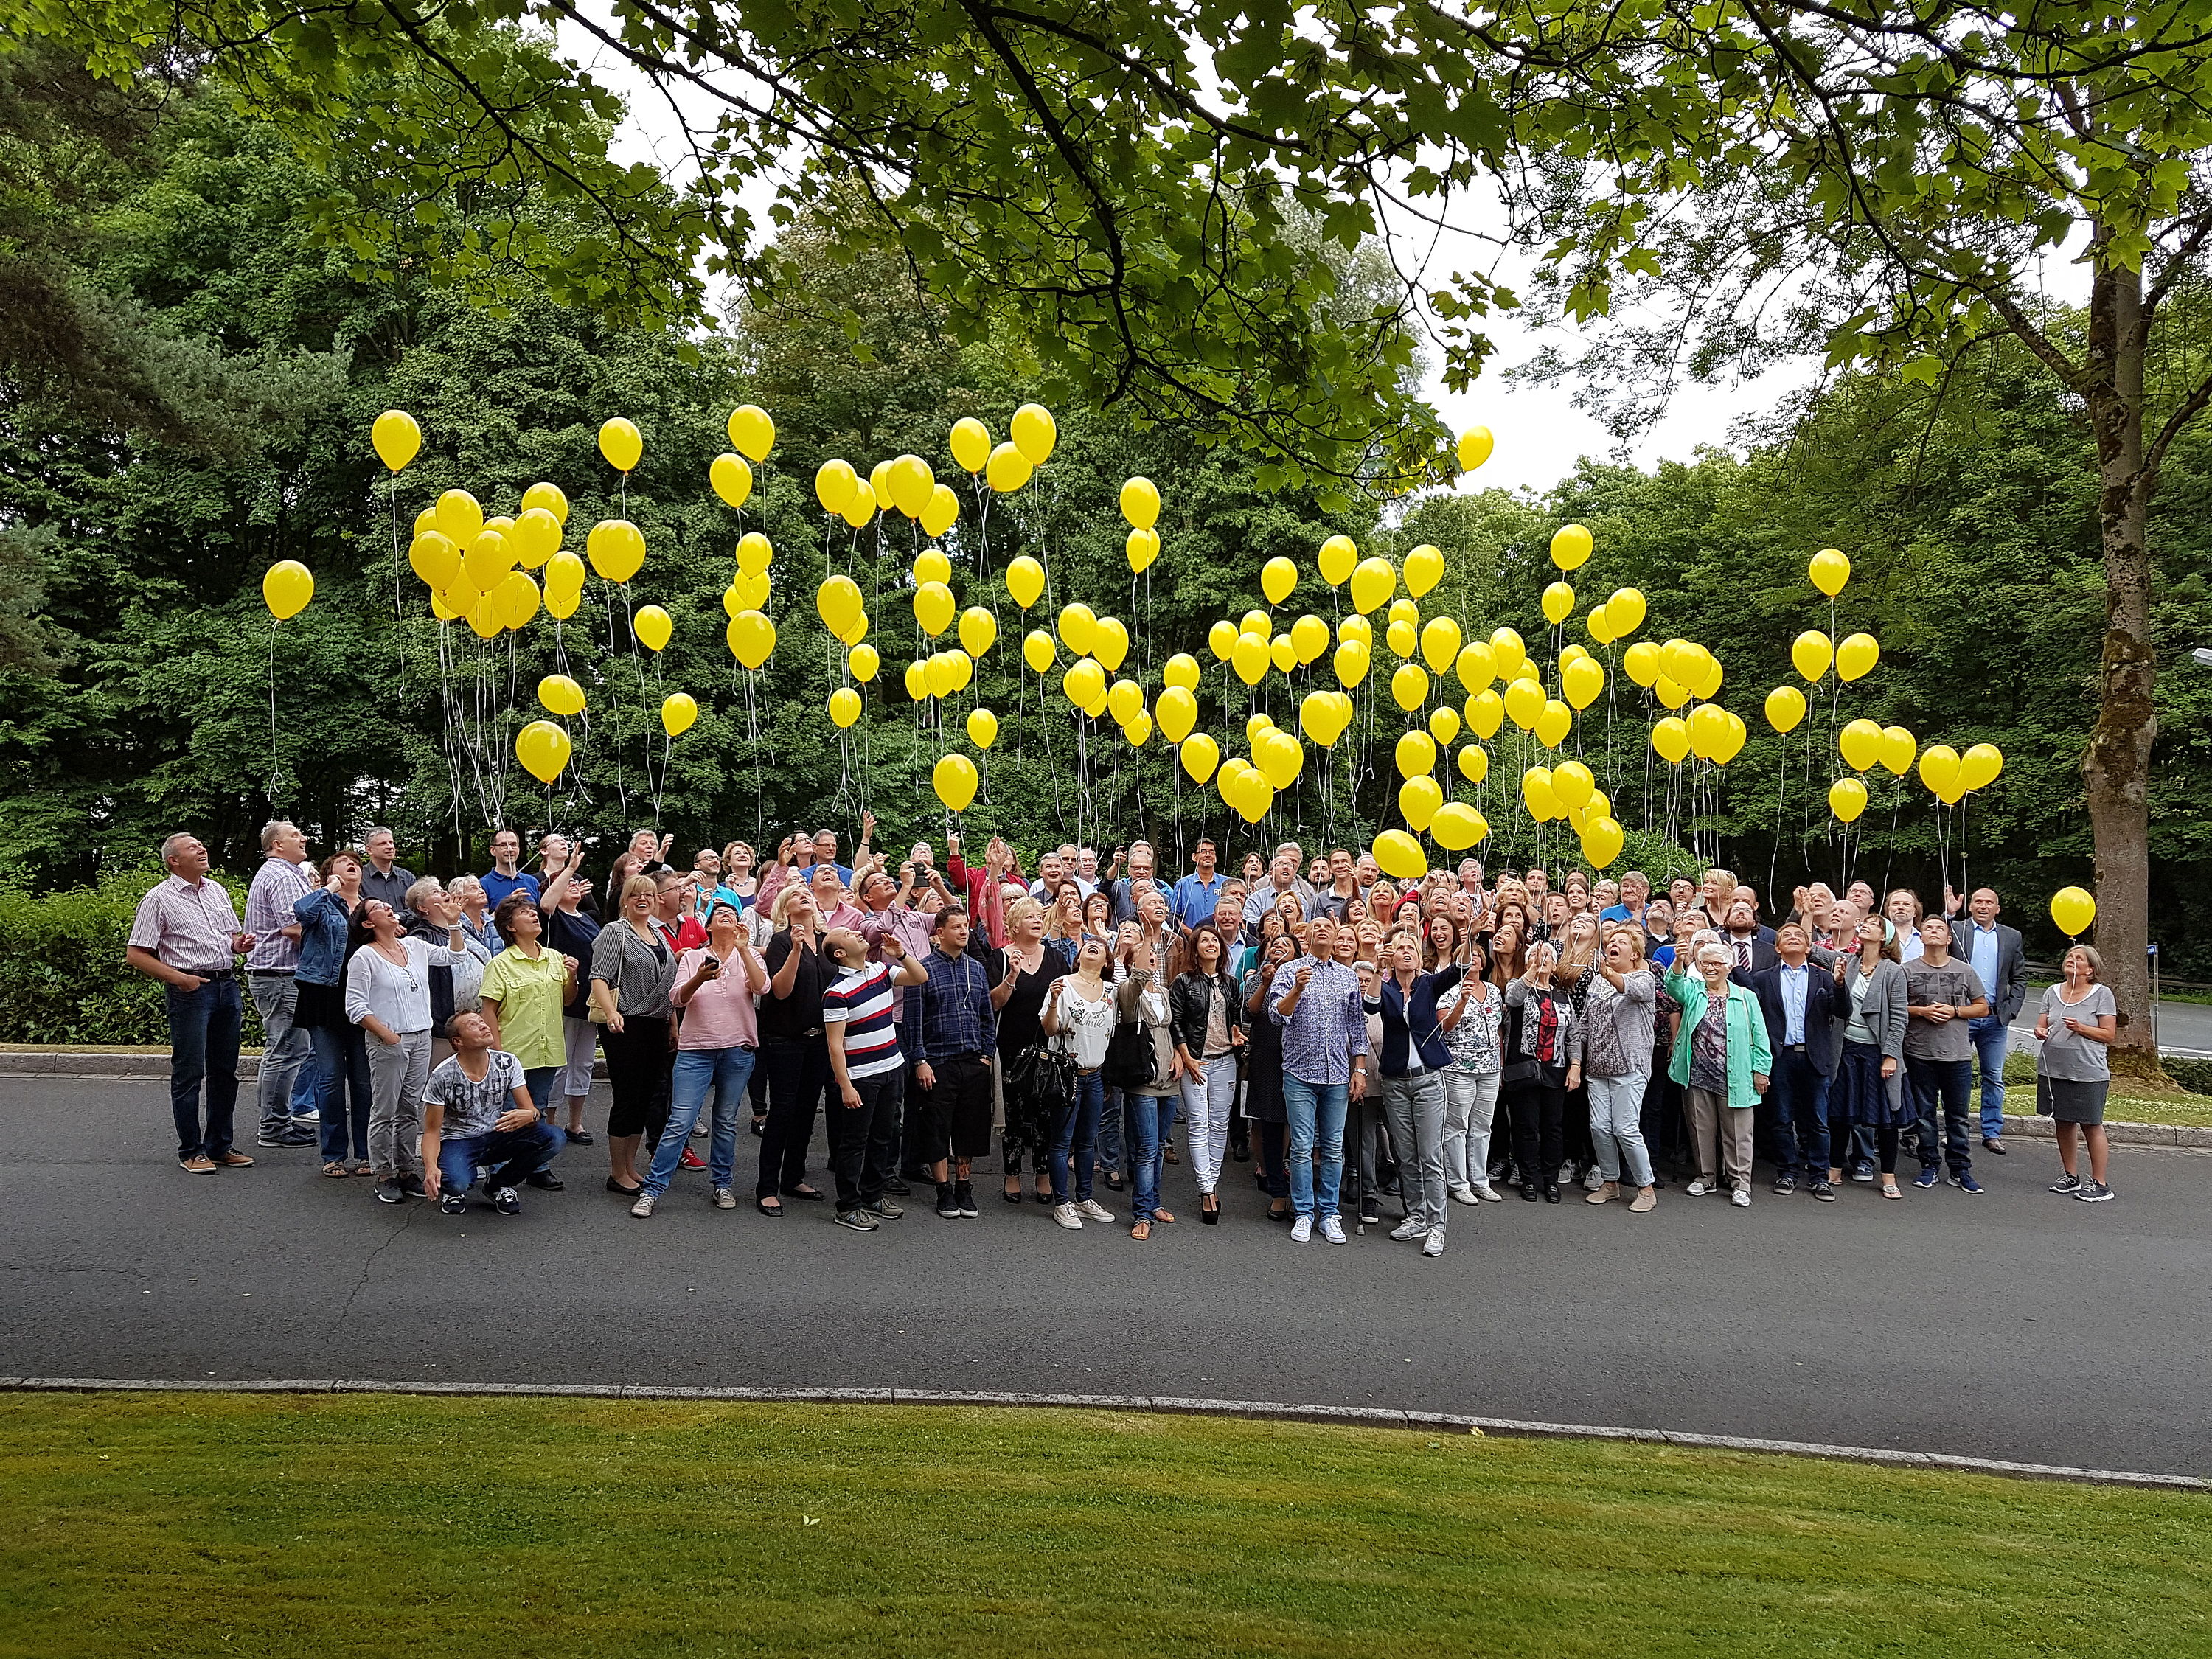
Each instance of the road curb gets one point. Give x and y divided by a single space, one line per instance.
1170 1405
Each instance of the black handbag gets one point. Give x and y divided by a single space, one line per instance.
1045 1074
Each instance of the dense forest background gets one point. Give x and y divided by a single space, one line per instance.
139 511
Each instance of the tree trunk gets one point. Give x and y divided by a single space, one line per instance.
2117 768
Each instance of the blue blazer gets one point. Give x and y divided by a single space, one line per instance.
1409 1022
1820 1009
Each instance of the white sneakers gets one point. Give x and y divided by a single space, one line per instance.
1091 1210
1413 1226
1434 1245
1741 1198
1302 1229
1064 1214
1332 1230
1697 1189
1465 1195
643 1207
1483 1189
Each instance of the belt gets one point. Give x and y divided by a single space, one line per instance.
1793 1048
270 973
204 973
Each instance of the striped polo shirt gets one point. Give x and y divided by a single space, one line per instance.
861 1001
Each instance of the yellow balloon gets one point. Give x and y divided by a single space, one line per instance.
1979 766
1181 669
1708 682
1257 727
941 512
1474 446
732 479
911 483
1140 549
1524 703
1642 663
563 605
288 586
396 438
838 602
1558 602
835 483
1034 433
1810 654
1573 785
1249 657
1281 758
1252 795
844 707
1474 762
750 637
561 694
1401 638
1140 503
1476 665
1007 470
1708 724
483 617
1939 770
537 535
1507 653
1847 799
2073 908
933 608
1078 627
1025 580
879 484
1829 570
750 593
751 431
1731 741
1308 638
1283 654
434 557
917 681
543 749
515 600
1338 555
979 630
1785 707
1373 581
1418 797
652 626
1440 643
1224 779
1554 723
1536 794
1124 701
1409 686
1177 710
1321 717
1356 628
1625 611
862 508
1855 657
1352 663
1416 755
615 548
1896 749
1085 683
1201 755
983 728
1277 578
460 518
1570 546
1400 856
1424 568
1581 681
547 496
1443 723
677 713
970 443
1037 650
1109 642
755 554
1860 745
954 778
1486 712
1601 841
487 560
1600 625
620 443
1457 826
1671 739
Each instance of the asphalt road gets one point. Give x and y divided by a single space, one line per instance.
2017 1325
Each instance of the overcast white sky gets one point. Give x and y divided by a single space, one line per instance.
1539 434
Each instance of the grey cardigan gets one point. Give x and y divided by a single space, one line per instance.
1629 1010
1884 1014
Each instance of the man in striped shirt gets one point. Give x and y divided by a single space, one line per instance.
868 1069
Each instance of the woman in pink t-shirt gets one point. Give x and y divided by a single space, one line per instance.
714 1045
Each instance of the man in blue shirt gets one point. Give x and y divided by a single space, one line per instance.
1994 952
1635 895
1196 896
506 875
1796 1000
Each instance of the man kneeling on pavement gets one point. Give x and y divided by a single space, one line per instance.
478 1115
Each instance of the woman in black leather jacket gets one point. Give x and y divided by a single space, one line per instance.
1207 1016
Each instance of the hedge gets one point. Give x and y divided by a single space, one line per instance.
62 976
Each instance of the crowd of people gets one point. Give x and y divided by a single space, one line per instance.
1354 1040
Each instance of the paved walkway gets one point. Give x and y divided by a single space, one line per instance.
2017 1325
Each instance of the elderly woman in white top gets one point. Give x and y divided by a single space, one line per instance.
1613 1046
387 994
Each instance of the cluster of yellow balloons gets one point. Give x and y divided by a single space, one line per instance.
907 484
1854 657
1140 505
1949 776
479 569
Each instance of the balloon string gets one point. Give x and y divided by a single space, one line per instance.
399 596
275 763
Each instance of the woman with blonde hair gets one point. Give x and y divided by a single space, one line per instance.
1033 962
2076 1026
633 972
1866 1088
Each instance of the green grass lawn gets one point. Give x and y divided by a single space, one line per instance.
386 1525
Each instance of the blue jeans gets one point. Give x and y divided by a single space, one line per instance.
1315 1111
541 1083
1801 1115
1992 1038
1075 1138
341 1075
1152 1120
204 1031
287 1069
1113 1138
728 1071
1951 1082
513 1156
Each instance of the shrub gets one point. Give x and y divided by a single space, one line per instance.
61 976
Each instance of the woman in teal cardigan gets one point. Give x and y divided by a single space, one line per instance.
1722 1059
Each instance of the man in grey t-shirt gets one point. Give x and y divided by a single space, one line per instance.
1941 995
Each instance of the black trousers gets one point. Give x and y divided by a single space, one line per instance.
864 1139
639 1062
798 1072
1538 1113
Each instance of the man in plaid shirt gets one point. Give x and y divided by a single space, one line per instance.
959 1034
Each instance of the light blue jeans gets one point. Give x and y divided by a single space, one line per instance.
1152 1120
1316 1112
728 1071
1616 1121
1992 1038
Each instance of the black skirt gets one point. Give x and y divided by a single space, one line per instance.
318 1007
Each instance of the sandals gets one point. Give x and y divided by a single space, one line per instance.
336 1170
1141 1231
1890 1188
1162 1215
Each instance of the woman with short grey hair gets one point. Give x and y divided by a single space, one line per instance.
1614 1051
